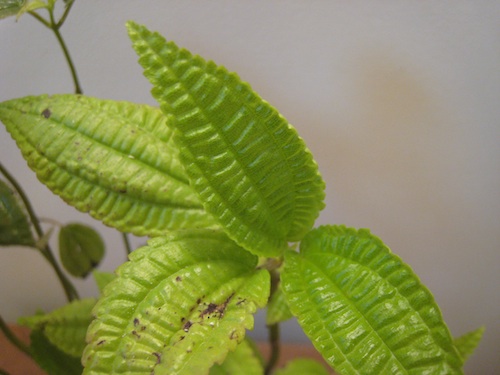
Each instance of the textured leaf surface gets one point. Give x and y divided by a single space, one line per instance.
14 225
244 360
467 344
50 358
65 327
363 308
81 249
177 307
250 167
10 7
115 160
302 366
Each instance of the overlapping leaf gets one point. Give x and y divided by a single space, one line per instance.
65 327
363 308
177 307
467 343
115 160
303 366
14 225
250 167
244 360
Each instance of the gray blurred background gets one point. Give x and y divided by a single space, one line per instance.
398 101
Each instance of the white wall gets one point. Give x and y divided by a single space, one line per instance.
398 101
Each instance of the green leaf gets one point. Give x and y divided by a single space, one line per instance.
50 358
14 225
467 343
10 7
302 366
81 249
177 307
364 309
65 327
115 160
244 360
248 164
32 5
277 308
103 278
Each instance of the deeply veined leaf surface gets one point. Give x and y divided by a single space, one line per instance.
115 160
244 360
177 307
65 327
14 225
363 308
250 167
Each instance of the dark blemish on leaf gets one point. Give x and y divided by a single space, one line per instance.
182 338
134 332
123 191
46 113
183 319
198 301
217 310
143 328
136 322
187 325
233 335
101 342
158 357
178 278
240 302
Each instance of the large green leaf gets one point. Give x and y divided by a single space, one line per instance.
81 249
363 308
14 225
115 160
65 327
250 167
244 360
177 307
10 7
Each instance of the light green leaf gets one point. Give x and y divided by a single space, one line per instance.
252 170
364 309
277 308
467 343
50 358
65 327
115 160
177 307
244 360
32 5
302 366
103 278
14 225
10 7
81 249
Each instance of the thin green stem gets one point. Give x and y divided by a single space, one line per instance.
126 241
13 338
274 329
46 251
65 14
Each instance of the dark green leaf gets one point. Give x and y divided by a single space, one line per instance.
51 359
248 164
14 224
178 306
364 309
115 160
81 249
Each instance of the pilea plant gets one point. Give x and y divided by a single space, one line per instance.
228 194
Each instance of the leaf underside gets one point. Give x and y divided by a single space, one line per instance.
179 306
115 160
363 308
248 164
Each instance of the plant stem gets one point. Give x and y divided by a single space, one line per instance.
12 338
128 248
55 26
274 329
46 251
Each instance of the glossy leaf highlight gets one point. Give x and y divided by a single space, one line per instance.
178 306
248 164
115 160
363 308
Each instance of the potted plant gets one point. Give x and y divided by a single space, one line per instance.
228 194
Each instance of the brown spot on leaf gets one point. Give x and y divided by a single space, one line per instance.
136 322
187 325
178 278
46 113
134 332
158 357
217 310
101 342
